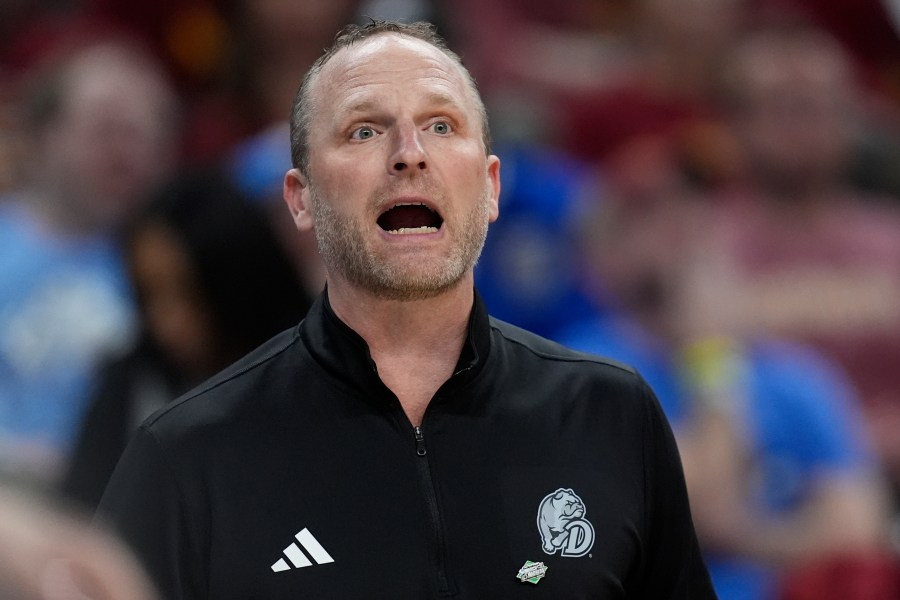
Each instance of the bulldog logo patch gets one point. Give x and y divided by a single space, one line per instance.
562 525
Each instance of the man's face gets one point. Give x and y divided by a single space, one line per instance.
798 117
112 140
400 190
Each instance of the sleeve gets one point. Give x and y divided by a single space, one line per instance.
144 506
672 567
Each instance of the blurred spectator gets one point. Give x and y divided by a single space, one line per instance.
867 29
594 78
28 33
212 283
795 249
526 273
100 126
49 553
869 32
664 99
776 462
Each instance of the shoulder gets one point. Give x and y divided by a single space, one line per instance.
233 395
523 349
546 349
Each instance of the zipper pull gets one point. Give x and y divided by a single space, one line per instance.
420 441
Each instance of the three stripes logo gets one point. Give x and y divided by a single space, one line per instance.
296 556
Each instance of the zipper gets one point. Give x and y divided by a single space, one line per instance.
434 514
420 442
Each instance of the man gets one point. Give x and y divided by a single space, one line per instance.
399 443
100 121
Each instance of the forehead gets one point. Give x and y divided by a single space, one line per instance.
387 63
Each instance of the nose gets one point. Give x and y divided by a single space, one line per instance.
409 155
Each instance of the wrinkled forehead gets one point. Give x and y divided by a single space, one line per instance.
390 59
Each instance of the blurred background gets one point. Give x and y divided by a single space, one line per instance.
706 189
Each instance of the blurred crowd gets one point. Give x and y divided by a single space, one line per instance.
708 190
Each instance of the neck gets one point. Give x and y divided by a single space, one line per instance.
415 344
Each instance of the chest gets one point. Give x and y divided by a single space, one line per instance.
376 511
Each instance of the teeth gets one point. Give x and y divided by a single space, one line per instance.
407 230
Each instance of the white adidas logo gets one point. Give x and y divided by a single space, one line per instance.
296 556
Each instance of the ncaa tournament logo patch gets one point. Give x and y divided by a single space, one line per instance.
562 525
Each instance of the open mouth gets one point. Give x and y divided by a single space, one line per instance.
408 218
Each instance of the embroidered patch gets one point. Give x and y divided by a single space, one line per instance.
562 525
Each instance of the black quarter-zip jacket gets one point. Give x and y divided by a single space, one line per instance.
295 474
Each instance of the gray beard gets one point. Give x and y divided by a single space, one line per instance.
344 251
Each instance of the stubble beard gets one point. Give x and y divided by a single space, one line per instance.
345 251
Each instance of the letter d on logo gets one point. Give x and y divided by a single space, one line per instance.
580 539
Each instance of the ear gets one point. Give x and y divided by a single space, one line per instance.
298 197
493 175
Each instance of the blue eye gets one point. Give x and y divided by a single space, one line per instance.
363 133
442 128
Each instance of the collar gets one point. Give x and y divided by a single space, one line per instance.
345 355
